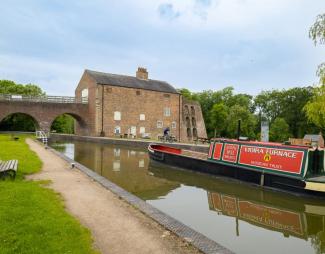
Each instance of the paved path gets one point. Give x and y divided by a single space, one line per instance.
116 226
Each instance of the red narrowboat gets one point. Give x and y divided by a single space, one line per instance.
274 165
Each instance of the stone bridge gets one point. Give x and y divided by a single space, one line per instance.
44 110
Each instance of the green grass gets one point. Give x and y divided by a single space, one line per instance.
32 217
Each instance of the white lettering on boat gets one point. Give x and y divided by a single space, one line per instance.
271 151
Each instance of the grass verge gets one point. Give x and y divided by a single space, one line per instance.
32 217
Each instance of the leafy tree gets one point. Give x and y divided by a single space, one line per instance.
10 87
218 115
248 122
185 93
63 124
317 34
315 109
279 130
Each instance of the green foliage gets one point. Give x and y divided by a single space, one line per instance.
317 31
248 122
279 130
315 109
63 124
317 34
218 116
33 218
10 87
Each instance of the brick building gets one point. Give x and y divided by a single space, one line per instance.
137 106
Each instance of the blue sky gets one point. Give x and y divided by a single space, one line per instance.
252 45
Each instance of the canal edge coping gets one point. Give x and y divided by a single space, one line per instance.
200 241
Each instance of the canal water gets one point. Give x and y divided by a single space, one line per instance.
243 218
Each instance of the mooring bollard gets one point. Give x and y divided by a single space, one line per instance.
72 165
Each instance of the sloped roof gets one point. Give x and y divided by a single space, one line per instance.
103 78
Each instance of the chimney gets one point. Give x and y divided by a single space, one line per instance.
142 73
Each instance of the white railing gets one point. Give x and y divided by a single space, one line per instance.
45 98
42 136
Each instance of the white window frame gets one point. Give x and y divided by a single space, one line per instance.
117 128
84 93
174 124
160 124
142 117
167 111
142 130
117 116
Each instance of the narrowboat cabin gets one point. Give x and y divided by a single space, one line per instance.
274 165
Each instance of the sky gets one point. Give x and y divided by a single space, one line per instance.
252 45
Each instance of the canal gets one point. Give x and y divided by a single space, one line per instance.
243 218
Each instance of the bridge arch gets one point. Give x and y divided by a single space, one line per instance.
80 124
24 122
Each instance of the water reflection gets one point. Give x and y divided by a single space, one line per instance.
243 218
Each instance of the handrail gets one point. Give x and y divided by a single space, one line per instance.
45 98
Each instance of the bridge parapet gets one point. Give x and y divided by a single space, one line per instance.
43 99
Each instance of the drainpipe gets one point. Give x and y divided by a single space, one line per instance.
102 133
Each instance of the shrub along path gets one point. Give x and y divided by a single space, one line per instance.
116 226
32 217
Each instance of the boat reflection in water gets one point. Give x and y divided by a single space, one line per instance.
287 215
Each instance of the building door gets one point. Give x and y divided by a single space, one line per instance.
134 130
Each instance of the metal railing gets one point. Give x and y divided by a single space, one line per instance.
41 135
45 98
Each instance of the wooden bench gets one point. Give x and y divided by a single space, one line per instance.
10 166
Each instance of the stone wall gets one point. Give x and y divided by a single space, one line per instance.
193 125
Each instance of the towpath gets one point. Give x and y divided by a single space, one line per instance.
116 226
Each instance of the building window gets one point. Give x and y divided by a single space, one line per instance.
166 111
109 90
186 111
117 130
192 110
142 117
142 130
166 95
84 93
117 115
173 125
138 92
159 124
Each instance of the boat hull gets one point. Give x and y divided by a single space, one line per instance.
233 171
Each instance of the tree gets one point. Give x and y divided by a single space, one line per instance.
248 122
315 109
10 87
63 124
218 116
279 130
317 34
